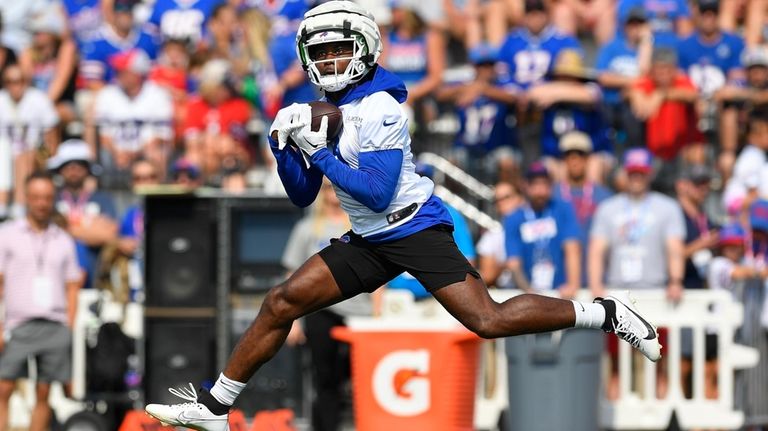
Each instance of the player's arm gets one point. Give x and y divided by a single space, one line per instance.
301 183
373 183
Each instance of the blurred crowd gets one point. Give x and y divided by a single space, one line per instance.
625 139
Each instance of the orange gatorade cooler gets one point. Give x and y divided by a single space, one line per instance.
412 378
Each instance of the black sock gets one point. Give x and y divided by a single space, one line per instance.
610 315
205 398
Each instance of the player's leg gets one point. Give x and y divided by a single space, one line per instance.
310 288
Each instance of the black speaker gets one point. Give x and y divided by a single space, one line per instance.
179 351
180 251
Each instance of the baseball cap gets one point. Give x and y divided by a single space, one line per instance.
575 141
758 215
535 5
124 5
134 60
709 6
536 170
696 174
731 234
71 150
483 53
185 166
755 56
215 72
49 21
638 160
636 14
664 55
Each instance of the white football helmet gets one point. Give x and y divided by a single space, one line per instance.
339 21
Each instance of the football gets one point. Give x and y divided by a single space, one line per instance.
319 109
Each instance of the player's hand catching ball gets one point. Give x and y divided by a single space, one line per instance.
287 120
309 141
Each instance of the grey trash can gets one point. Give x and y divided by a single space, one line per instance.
554 381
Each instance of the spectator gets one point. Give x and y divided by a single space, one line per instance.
725 271
216 121
16 15
709 56
225 38
288 82
120 36
737 102
171 71
528 52
619 64
182 20
27 127
134 116
693 189
7 55
486 112
577 189
310 235
40 279
664 100
641 234
50 62
90 214
742 189
186 174
571 102
144 175
670 20
491 252
542 239
84 18
416 53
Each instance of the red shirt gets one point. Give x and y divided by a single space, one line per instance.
674 125
229 118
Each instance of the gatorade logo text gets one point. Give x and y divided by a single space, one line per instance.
400 382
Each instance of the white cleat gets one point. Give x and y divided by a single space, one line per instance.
630 326
190 414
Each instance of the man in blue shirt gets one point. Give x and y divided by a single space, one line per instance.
709 56
618 64
669 19
542 239
529 51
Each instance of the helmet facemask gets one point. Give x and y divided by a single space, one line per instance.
338 79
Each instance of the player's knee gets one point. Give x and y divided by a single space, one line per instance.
280 305
483 327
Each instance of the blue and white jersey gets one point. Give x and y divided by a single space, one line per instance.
182 19
370 166
485 125
618 57
96 54
84 18
529 58
407 58
708 64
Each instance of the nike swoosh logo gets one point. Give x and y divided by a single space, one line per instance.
651 332
311 144
186 420
385 124
582 306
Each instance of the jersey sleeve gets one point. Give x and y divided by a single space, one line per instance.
385 126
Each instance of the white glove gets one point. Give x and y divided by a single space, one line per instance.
311 142
286 121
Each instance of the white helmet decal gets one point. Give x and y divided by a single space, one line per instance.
339 21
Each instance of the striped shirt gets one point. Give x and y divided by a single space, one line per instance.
36 267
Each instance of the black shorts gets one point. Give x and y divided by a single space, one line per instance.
430 255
